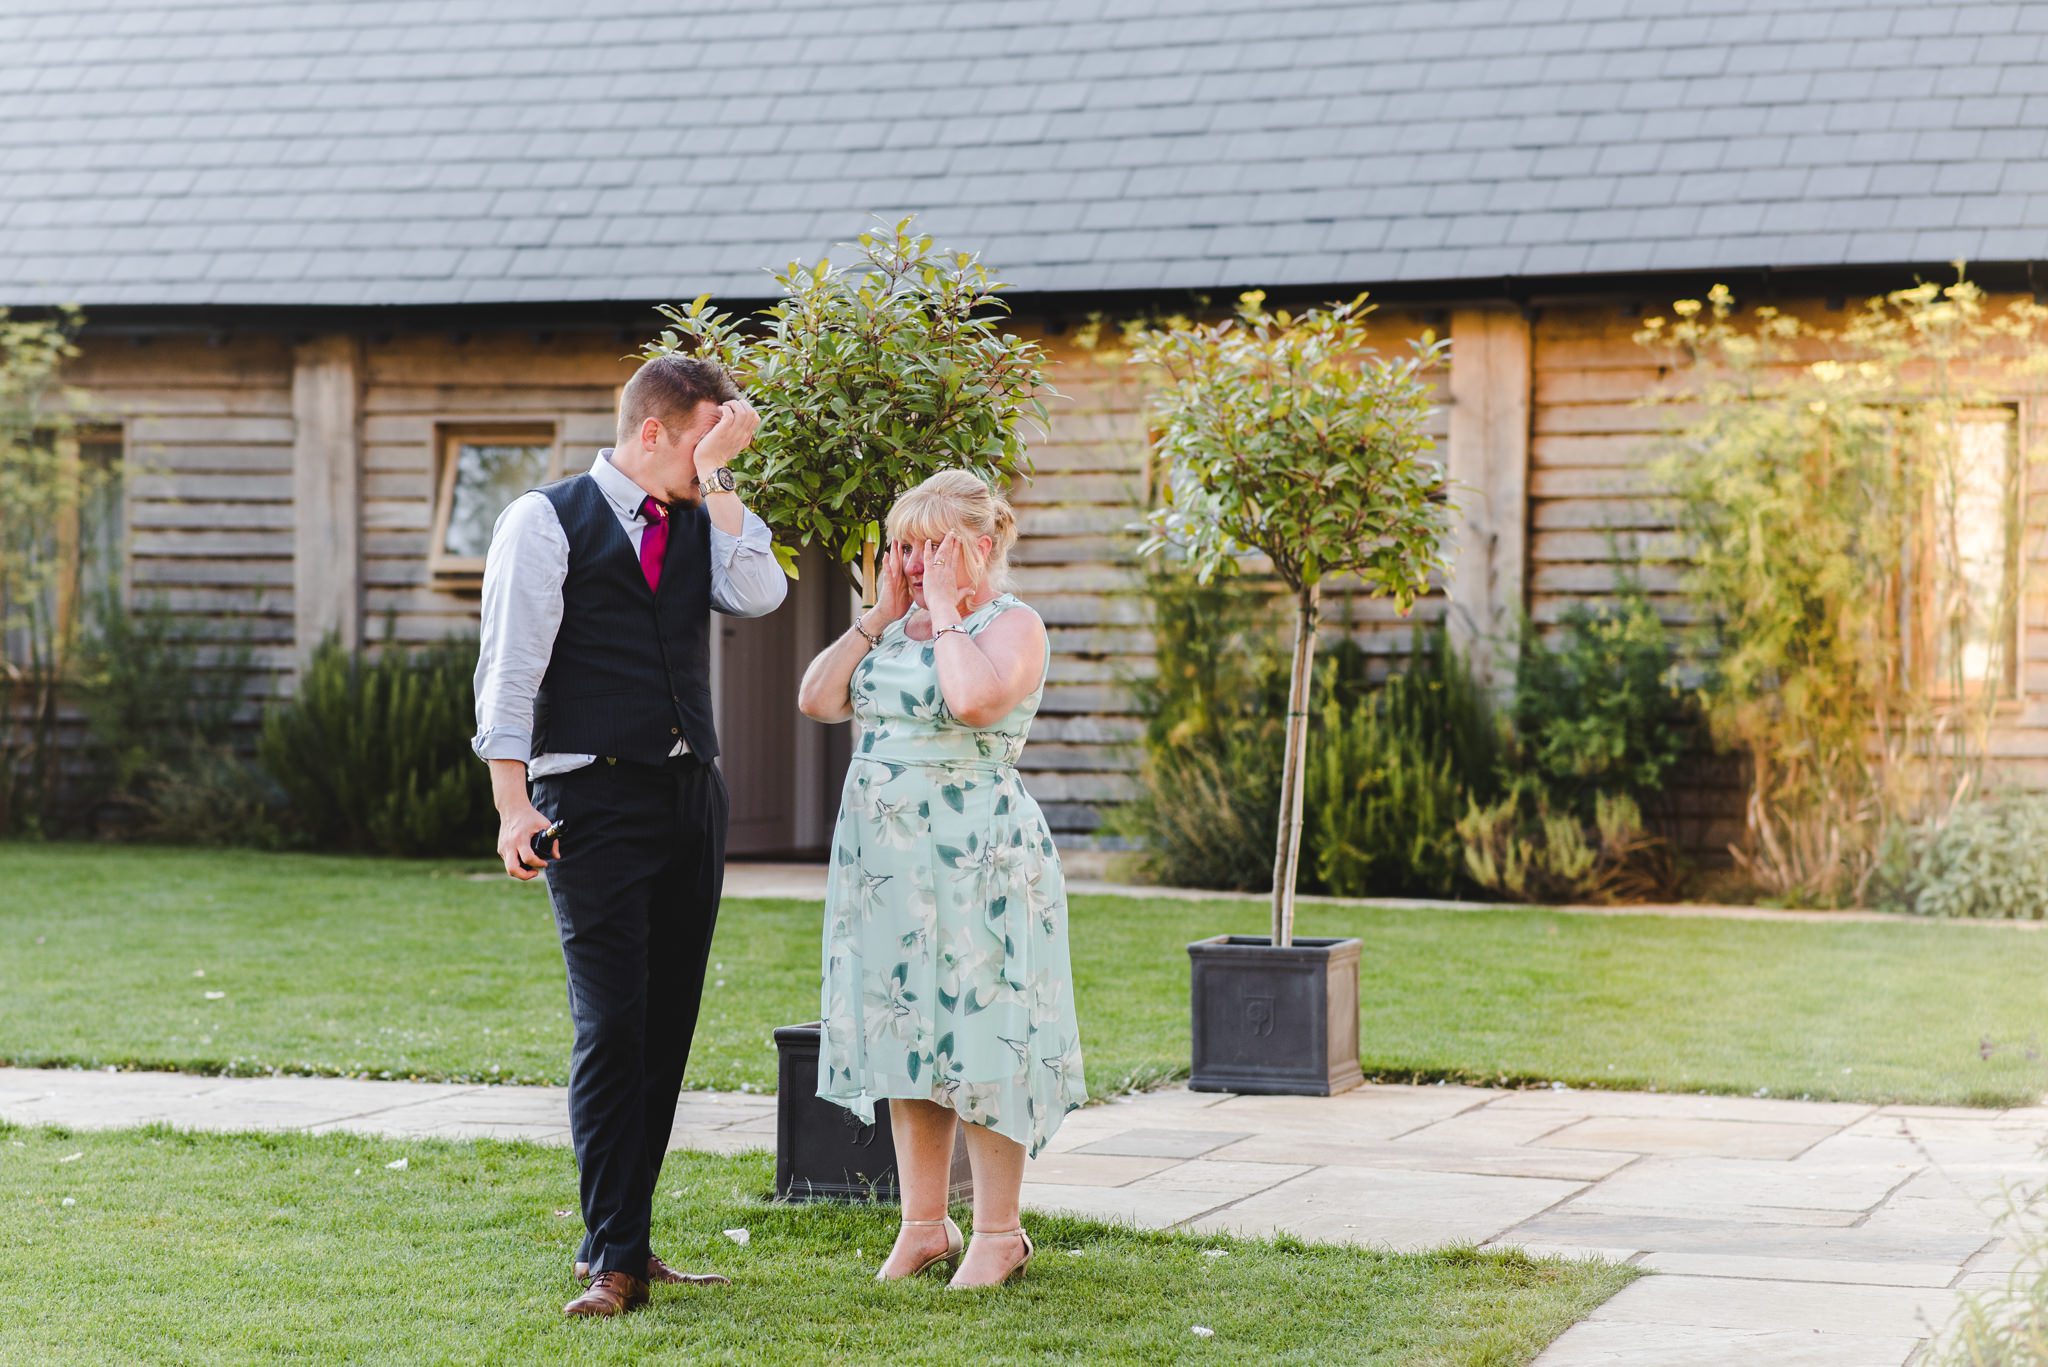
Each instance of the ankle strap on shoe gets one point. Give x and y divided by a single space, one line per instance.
923 1224
1018 1230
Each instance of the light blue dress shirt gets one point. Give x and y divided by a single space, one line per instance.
522 606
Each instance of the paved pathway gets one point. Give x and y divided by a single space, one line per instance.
1783 1231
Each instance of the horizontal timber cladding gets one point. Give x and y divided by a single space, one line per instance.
414 384
1596 517
207 432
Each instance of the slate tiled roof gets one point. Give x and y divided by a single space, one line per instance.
447 151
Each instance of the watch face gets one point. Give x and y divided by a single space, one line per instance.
725 479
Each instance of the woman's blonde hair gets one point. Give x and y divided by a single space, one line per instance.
960 500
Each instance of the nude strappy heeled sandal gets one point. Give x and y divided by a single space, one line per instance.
1016 1271
956 1244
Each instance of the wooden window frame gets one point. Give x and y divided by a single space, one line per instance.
448 571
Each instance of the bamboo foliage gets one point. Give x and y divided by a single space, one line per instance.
42 487
1855 640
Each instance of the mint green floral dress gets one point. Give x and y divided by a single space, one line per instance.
946 975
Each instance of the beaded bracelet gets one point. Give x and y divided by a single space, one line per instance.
873 640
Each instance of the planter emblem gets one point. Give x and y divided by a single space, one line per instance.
1258 1015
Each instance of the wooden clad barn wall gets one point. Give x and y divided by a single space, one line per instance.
207 430
414 382
210 436
1075 563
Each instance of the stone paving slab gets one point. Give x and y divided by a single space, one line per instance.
1597 1342
1685 1135
1779 1231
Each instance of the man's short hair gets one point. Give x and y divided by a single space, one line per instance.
669 388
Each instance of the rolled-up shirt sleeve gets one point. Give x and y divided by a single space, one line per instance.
522 610
745 580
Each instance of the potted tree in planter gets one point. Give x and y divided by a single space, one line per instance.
869 378
1289 437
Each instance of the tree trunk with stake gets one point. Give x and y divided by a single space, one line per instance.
1287 857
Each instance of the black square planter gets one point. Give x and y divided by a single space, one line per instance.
822 1153
1275 1021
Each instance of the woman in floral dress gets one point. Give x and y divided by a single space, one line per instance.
947 987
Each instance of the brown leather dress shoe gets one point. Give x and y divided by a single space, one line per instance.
659 1271
612 1293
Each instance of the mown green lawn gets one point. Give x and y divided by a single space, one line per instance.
147 1246
337 965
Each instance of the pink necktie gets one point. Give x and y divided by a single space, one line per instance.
653 541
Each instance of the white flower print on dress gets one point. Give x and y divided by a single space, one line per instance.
840 1037
891 1009
867 894
1066 1070
980 1103
1048 999
897 824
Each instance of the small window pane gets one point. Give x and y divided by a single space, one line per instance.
489 475
1972 646
102 520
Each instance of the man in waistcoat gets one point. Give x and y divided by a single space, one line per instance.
594 685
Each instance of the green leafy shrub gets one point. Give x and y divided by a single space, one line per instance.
162 761
148 698
215 796
1389 766
374 752
1209 775
1526 848
1988 860
1203 813
1599 710
1390 771
1599 724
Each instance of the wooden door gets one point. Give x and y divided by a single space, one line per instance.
782 769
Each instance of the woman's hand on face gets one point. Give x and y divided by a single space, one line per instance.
944 576
892 591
